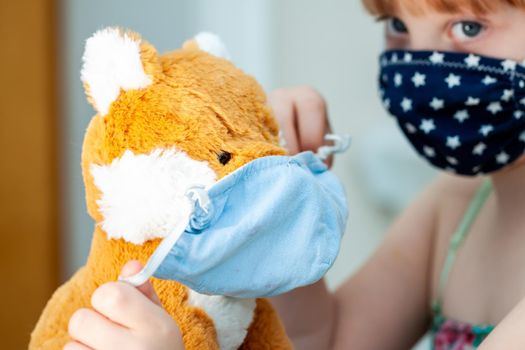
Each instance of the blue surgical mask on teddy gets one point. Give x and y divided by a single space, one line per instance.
462 112
271 226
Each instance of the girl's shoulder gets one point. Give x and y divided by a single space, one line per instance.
452 196
449 189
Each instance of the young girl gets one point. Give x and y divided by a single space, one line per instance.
452 263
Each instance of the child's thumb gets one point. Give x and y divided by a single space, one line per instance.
134 266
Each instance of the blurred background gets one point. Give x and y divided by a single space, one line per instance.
331 45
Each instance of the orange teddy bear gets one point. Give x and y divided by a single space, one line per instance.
201 115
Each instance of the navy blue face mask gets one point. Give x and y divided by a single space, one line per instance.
462 112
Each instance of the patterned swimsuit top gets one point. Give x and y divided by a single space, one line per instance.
449 334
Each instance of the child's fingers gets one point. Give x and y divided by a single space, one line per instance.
94 330
124 304
303 117
284 109
312 120
76 346
134 266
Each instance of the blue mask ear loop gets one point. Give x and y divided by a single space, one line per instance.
341 145
195 194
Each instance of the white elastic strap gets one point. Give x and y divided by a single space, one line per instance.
194 194
341 144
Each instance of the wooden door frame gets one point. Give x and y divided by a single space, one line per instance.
29 152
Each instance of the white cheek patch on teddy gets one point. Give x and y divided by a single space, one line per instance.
231 316
143 196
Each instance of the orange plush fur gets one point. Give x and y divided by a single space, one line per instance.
197 103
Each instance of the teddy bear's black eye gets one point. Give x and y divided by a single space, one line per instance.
224 157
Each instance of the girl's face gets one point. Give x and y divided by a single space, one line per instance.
499 34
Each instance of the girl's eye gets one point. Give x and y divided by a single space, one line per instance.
396 26
467 30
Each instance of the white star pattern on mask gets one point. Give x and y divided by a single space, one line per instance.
453 80
502 158
472 60
479 149
427 125
437 104
429 151
509 65
419 79
453 142
410 128
507 95
461 116
398 79
494 107
472 101
486 130
437 58
488 80
452 160
406 104
431 94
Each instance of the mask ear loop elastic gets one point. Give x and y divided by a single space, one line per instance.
194 194
341 144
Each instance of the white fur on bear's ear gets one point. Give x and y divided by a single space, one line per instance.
112 62
212 44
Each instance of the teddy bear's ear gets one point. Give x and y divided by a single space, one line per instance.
210 43
115 60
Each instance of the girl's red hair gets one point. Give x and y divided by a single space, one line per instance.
388 7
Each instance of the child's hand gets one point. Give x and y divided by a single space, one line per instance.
303 117
124 317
